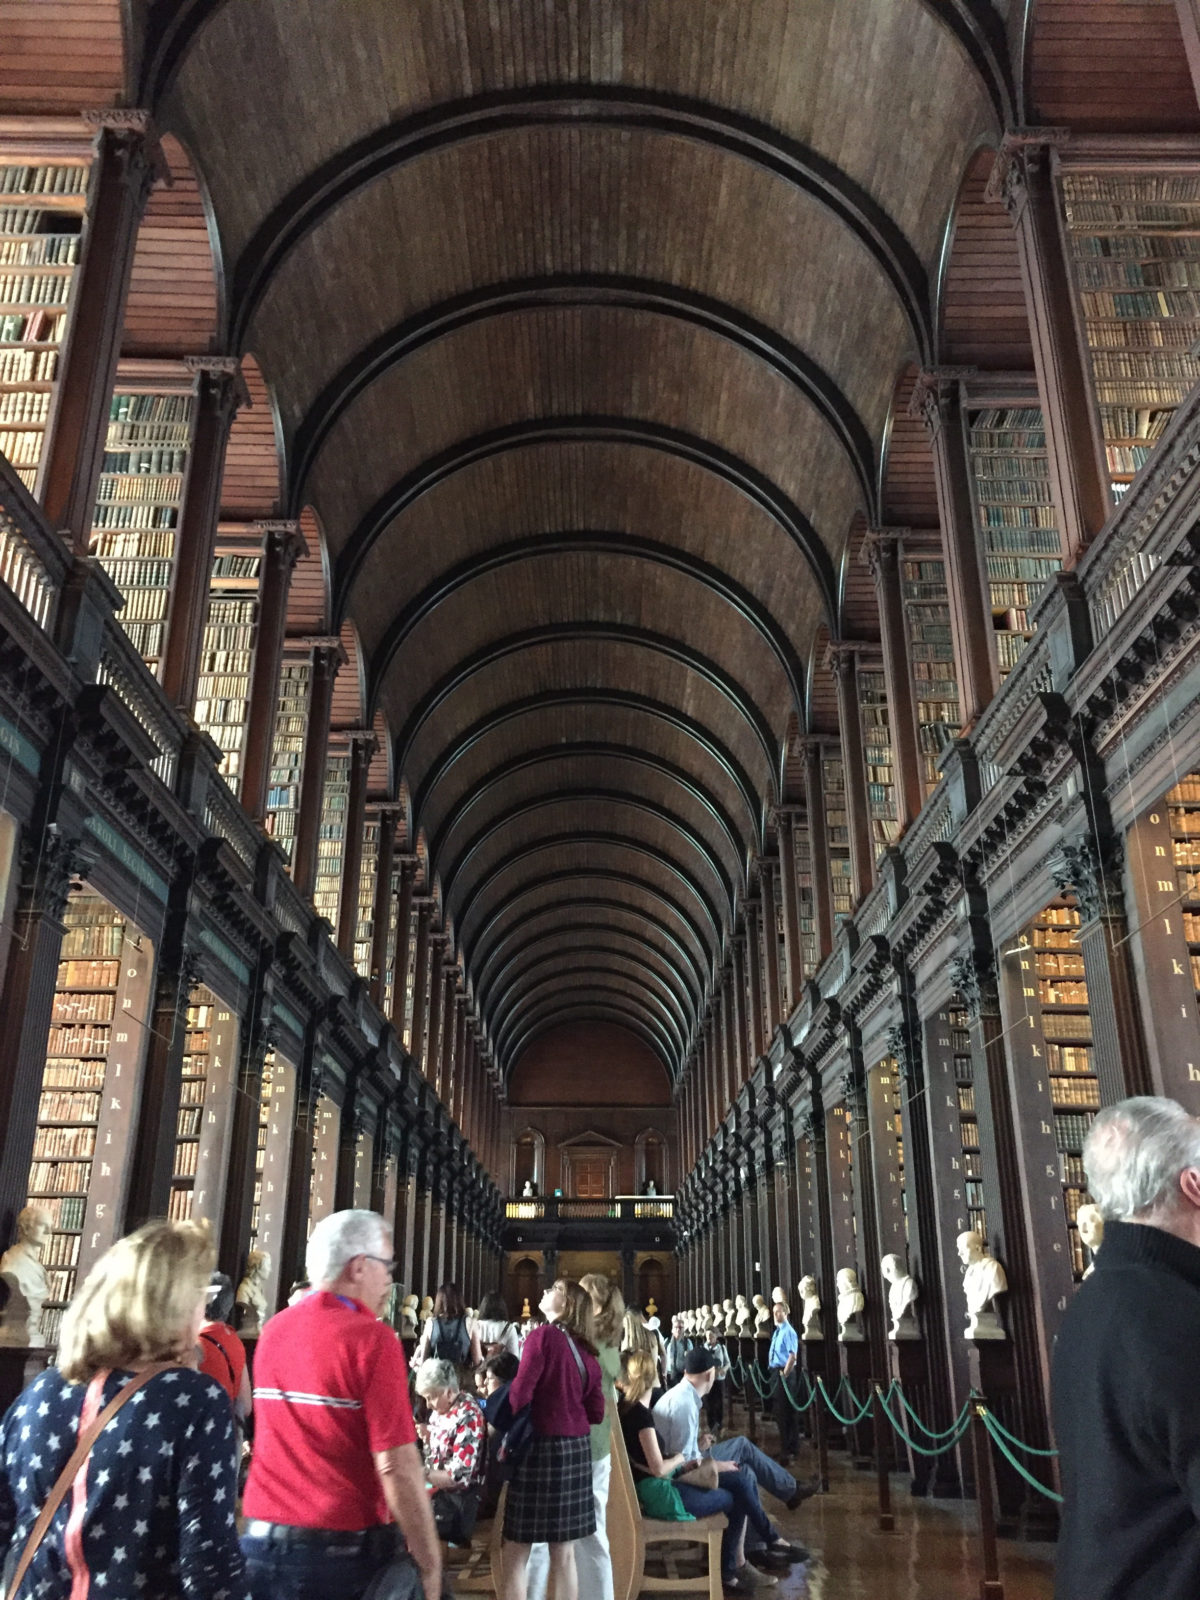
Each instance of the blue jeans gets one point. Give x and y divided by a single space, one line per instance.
307 1571
768 1474
738 1499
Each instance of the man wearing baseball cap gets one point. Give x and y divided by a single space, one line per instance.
677 1420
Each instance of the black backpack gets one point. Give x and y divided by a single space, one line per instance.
450 1341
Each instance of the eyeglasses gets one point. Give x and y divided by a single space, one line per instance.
384 1261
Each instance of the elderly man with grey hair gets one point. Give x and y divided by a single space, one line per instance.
1126 1376
336 1465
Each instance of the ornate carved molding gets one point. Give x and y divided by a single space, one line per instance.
1093 879
1022 151
974 977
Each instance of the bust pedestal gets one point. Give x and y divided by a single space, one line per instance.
855 1358
19 1366
992 1372
938 1475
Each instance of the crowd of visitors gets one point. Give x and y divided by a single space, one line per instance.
119 1467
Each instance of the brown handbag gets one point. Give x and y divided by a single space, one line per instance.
69 1473
705 1476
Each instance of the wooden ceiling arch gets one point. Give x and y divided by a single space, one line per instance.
599 1001
601 935
566 970
585 985
579 1012
588 913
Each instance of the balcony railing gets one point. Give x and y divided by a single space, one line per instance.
621 1208
33 564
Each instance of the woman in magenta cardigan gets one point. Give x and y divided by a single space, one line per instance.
550 1495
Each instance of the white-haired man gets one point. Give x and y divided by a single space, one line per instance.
336 1464
1126 1377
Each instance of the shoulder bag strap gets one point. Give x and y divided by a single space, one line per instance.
68 1474
578 1360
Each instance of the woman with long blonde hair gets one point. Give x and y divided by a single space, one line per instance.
152 1510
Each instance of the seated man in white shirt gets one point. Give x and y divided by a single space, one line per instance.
677 1419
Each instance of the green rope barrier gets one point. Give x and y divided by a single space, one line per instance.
922 1450
851 1396
1029 1449
846 1422
930 1433
764 1391
791 1398
1012 1460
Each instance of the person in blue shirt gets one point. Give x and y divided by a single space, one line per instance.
781 1359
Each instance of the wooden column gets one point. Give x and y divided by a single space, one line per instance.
818 848
363 746
937 399
123 173
381 912
789 889
1188 12
405 889
754 965
770 943
1024 180
881 550
283 548
327 657
740 1030
219 391
844 662
728 1039
449 1034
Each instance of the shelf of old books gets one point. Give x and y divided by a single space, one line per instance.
968 1120
41 216
331 844
1067 1030
804 897
226 653
326 1134
877 751
93 1056
1017 520
837 825
1183 810
887 1148
410 979
365 921
205 1117
287 752
273 1154
931 649
137 504
1134 241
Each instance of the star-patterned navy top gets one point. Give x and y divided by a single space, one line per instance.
153 1512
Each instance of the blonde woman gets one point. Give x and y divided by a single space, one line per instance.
593 1562
152 1511
635 1335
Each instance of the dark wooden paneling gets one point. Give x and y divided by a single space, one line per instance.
1116 65
984 322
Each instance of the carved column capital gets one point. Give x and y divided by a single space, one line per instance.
1093 879
881 550
284 543
1021 151
974 976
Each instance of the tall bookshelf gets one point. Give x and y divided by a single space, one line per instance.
326 1133
364 924
260 1143
73 1081
410 981
205 1120
273 1150
837 824
1183 811
41 217
226 652
331 846
287 753
968 1120
877 750
190 1123
931 648
1010 474
802 847
1135 250
1067 1030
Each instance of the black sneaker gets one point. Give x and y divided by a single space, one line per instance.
804 1491
787 1550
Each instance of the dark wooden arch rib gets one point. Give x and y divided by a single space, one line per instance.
980 31
645 983
508 1012
573 632
623 698
583 750
501 111
618 797
583 290
643 887
590 541
427 475
637 947
583 1011
603 999
688 969
599 836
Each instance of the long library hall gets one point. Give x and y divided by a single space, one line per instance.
600 656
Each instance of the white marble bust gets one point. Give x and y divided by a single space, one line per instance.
408 1316
983 1280
762 1317
24 1279
251 1296
810 1309
902 1298
777 1296
743 1316
851 1303
729 1315
1091 1233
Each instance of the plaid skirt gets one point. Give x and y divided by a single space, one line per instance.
550 1493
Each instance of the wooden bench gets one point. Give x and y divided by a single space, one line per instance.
630 1533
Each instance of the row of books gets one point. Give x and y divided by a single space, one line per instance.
18 221
27 405
186 1154
65 1212
35 288
71 1007
1068 1057
59 1177
191 1091
78 1039
1070 1130
33 249
93 939
188 1122
67 1072
23 448
1052 964
1062 992
179 1205
51 1144
1079 1091
137 490
63 1106
61 1250
43 180
28 366
1143 272
145 605
155 460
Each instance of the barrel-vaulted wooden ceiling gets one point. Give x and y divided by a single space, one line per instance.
584 320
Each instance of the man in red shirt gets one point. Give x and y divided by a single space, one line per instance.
336 1465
